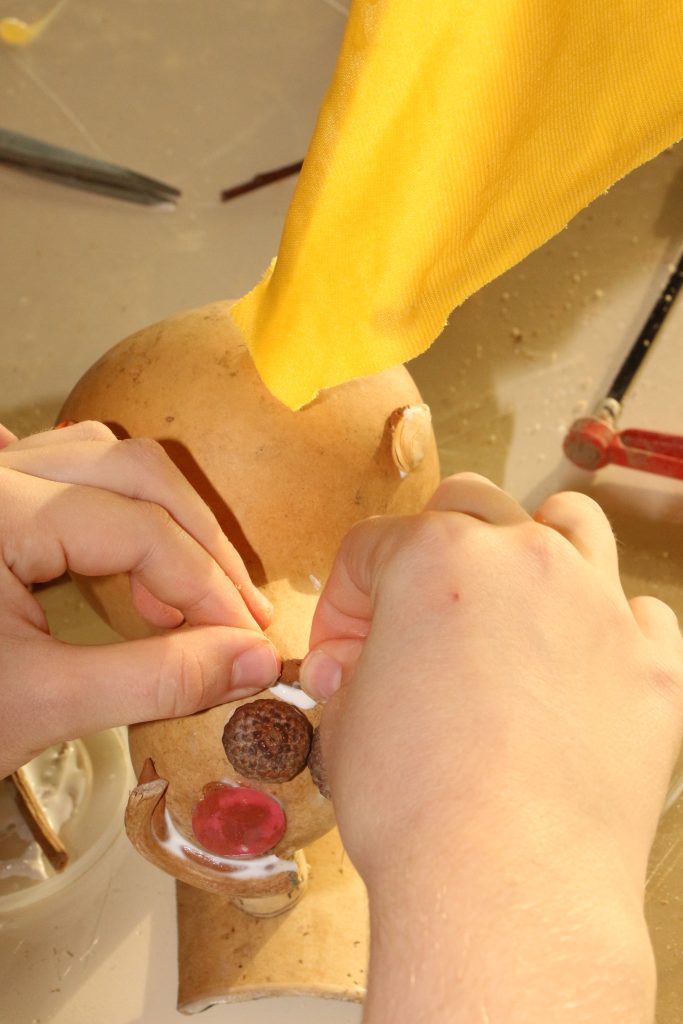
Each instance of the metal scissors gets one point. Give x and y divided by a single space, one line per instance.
78 170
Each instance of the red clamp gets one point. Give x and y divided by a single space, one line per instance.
593 442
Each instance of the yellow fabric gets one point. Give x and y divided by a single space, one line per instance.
455 138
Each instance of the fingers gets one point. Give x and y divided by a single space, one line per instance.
6 437
151 608
344 614
88 430
49 527
344 609
139 469
475 496
74 690
324 669
657 621
345 606
581 520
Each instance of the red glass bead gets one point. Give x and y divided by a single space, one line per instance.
236 821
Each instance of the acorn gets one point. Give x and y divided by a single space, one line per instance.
316 765
268 740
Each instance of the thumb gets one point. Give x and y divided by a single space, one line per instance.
328 666
169 676
344 612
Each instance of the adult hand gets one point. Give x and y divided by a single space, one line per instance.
500 731
78 499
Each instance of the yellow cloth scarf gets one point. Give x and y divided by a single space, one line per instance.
455 138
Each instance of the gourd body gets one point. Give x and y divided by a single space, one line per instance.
285 487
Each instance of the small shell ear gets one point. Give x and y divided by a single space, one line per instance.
410 429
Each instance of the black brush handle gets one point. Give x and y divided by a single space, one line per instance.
641 346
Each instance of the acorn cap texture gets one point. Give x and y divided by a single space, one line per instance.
267 740
317 766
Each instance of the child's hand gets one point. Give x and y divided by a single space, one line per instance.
79 499
498 755
485 653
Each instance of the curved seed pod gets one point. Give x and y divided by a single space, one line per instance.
411 433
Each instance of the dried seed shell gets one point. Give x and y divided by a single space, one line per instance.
411 431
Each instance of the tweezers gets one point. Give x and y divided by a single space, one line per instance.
78 170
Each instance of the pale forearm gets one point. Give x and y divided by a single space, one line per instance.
487 943
461 980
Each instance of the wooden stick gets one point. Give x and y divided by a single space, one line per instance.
259 180
37 820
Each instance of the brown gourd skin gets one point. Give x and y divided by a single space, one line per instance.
285 487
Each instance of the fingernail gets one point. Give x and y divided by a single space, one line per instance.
255 668
320 675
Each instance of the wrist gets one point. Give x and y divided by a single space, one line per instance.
482 941
533 928
507 970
